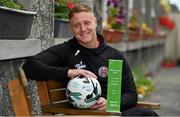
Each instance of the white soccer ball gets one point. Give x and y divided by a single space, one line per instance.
83 92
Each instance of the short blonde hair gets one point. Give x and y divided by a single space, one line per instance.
80 8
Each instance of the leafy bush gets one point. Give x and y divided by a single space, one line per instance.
11 4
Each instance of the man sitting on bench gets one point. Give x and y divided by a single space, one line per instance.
85 54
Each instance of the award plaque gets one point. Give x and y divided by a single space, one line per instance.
114 86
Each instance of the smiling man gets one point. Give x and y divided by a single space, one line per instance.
85 54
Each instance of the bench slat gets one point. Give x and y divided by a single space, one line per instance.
18 98
57 95
148 105
68 109
55 84
43 92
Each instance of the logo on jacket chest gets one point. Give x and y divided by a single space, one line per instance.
80 65
103 71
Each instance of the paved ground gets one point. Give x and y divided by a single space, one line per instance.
167 92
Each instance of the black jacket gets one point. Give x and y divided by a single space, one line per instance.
54 63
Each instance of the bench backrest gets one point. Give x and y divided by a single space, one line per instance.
52 92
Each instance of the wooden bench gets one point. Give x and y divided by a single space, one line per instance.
53 99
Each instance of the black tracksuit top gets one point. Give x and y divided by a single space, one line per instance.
53 64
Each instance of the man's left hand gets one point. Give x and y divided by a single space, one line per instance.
100 104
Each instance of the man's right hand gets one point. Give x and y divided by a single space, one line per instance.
80 72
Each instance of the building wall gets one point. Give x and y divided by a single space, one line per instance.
42 29
172 45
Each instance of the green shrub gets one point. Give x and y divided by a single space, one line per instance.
11 4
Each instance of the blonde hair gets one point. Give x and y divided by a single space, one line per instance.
80 8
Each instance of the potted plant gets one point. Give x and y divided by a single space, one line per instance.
61 22
143 82
15 22
147 32
167 22
114 29
168 62
134 26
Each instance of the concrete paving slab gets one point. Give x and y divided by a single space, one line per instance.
167 91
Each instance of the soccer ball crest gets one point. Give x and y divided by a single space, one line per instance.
83 92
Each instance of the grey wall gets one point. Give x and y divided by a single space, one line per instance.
42 29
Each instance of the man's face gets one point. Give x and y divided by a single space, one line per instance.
83 25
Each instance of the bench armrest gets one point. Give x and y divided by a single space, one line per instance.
149 105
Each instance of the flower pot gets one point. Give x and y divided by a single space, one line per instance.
113 36
169 64
133 36
148 36
62 29
15 24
